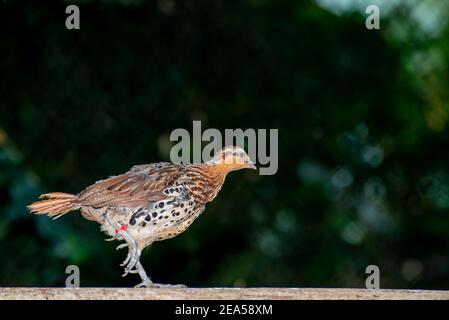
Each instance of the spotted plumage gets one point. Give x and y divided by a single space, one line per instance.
148 203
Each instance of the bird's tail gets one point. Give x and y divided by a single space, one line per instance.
56 204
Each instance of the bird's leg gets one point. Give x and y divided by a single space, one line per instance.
133 258
106 217
146 281
133 252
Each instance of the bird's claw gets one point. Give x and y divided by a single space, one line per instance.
131 259
123 245
127 260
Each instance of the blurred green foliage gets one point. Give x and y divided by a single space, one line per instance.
363 140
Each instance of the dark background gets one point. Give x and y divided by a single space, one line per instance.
362 116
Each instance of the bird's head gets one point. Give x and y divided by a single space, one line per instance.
232 158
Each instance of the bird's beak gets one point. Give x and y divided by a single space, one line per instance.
251 165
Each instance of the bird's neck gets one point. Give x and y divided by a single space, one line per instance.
214 177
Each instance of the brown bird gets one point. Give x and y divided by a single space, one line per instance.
149 203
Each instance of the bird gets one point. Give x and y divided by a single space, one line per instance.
149 203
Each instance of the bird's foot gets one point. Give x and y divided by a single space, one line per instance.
133 256
131 261
133 253
128 257
164 285
147 283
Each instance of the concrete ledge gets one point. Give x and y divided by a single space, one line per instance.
216 293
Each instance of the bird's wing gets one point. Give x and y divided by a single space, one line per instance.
140 185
